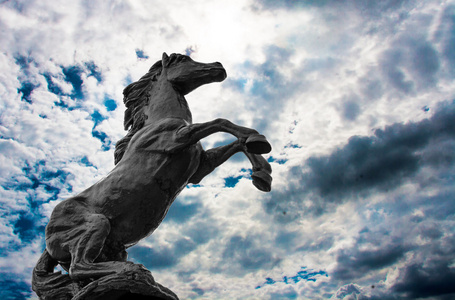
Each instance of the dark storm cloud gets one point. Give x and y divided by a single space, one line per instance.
371 9
371 87
446 36
321 243
354 263
243 254
202 229
395 76
159 257
411 64
382 160
350 108
366 163
194 232
181 212
418 281
420 249
440 206
289 293
152 258
430 273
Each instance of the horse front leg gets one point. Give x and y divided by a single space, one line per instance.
254 142
262 171
212 158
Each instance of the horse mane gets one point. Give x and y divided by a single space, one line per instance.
135 97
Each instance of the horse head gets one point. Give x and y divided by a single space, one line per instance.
187 75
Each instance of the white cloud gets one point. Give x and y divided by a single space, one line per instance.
308 75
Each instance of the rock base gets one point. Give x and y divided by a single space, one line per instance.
129 285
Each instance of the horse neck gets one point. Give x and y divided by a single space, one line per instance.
166 102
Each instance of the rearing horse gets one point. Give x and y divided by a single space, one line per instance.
88 234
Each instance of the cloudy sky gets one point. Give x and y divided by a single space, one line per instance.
356 97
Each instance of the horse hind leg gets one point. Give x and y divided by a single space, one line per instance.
48 284
88 247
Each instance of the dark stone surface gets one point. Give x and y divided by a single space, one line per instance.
128 285
88 234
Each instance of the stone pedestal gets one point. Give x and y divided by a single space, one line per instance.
129 285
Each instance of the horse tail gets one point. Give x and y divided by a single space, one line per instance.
49 285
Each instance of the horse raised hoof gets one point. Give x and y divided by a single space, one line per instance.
257 144
262 180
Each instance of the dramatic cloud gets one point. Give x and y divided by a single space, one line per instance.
356 98
387 159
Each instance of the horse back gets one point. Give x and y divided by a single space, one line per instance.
160 136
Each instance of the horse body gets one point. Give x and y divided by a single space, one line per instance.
88 234
134 197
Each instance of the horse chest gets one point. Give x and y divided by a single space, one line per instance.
151 188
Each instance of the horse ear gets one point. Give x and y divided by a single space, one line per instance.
165 60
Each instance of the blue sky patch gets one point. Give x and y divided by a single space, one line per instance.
23 62
237 84
180 212
303 274
84 160
161 257
102 136
189 50
292 145
231 181
128 80
280 161
73 76
38 175
198 291
26 90
51 86
26 228
97 118
141 54
93 71
12 289
110 104
193 186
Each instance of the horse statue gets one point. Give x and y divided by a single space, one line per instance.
88 234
